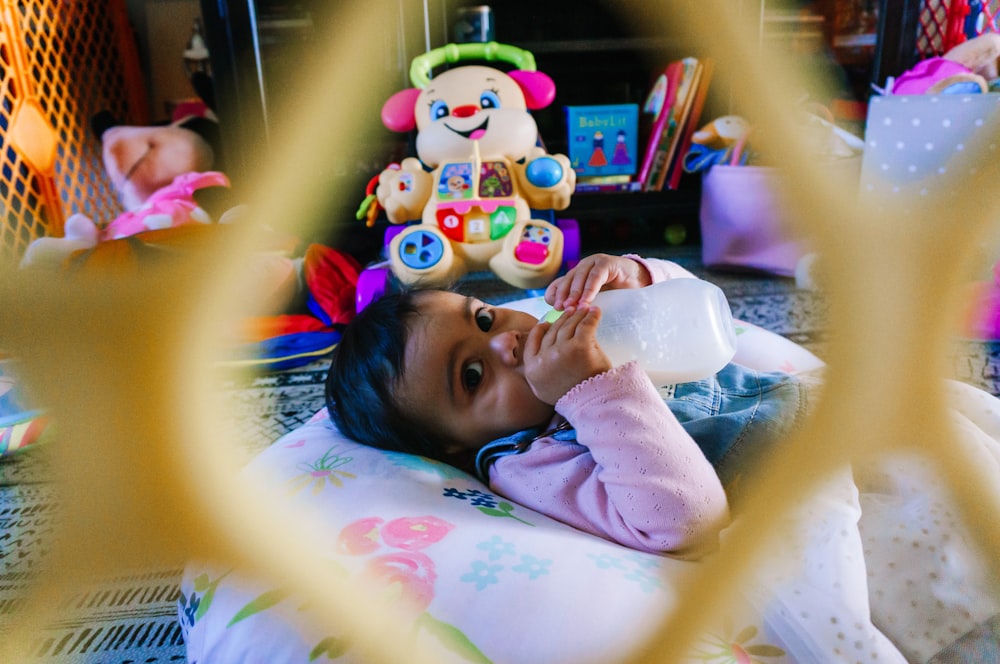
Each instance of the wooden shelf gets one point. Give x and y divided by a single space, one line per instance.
610 220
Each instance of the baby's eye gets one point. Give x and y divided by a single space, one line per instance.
484 319
472 375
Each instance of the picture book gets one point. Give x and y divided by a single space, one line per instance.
603 140
659 104
667 149
690 124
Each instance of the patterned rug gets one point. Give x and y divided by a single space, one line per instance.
132 617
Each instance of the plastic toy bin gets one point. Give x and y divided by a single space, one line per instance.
60 62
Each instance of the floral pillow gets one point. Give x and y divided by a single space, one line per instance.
490 581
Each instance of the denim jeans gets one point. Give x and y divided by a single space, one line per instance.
739 415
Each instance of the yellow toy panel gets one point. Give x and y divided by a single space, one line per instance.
53 77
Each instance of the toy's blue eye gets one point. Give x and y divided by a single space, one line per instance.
439 110
489 99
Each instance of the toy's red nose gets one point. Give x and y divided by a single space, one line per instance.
465 111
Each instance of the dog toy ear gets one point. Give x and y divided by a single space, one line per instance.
538 88
399 112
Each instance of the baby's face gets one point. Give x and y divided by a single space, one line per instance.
464 371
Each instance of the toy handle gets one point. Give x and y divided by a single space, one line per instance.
424 64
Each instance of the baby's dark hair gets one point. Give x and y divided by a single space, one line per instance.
365 372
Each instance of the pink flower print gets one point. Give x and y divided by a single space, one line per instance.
407 575
414 533
405 578
360 538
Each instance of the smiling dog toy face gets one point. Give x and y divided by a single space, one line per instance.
469 104
478 176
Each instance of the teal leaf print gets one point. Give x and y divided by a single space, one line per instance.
453 639
202 584
331 646
503 509
260 603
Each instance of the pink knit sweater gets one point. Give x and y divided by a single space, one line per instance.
633 476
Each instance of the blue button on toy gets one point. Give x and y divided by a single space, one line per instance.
544 172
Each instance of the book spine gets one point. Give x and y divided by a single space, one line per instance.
677 168
682 108
659 122
586 188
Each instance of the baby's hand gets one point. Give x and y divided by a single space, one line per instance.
560 355
593 274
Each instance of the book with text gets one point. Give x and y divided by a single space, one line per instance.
667 150
602 140
659 103
691 124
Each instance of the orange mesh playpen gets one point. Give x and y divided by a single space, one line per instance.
60 62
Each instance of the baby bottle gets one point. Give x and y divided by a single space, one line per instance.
678 330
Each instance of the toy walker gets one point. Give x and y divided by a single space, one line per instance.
472 199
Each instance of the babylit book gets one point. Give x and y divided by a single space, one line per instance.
603 140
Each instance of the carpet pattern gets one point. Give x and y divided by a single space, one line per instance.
132 616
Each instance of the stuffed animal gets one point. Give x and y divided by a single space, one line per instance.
478 173
722 132
969 67
156 172
294 306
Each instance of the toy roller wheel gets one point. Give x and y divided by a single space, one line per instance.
421 249
372 284
571 242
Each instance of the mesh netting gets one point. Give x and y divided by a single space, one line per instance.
53 77
946 23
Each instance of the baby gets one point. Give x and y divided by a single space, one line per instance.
539 413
